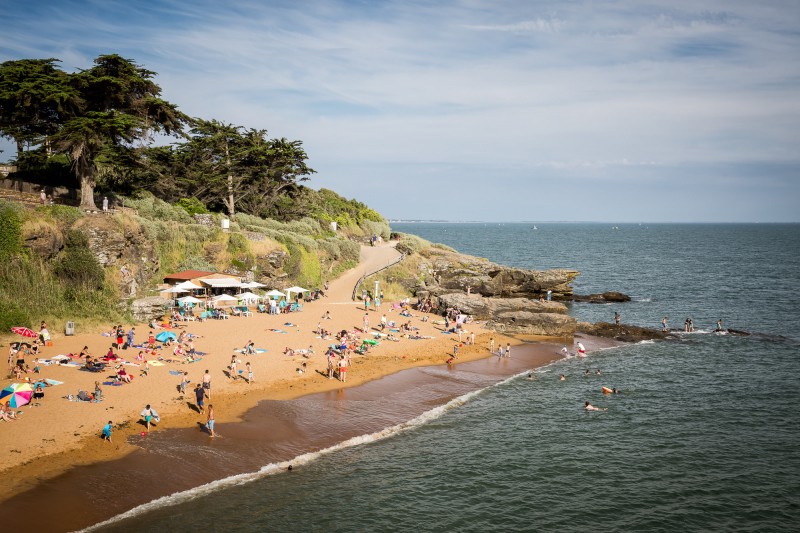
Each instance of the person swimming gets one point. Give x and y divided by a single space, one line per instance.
589 407
562 377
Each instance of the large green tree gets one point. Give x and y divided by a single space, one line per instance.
239 168
35 99
120 106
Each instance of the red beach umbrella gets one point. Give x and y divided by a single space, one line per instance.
25 332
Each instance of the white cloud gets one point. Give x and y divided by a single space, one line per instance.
567 92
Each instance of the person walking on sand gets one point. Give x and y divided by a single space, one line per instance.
331 363
508 349
207 384
491 345
232 368
107 432
148 416
210 421
366 322
184 382
343 369
200 396
249 373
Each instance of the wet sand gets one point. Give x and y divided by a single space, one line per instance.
174 460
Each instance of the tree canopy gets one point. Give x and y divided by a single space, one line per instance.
105 118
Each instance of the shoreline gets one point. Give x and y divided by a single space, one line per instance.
273 432
58 435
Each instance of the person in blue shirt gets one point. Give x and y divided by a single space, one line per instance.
107 432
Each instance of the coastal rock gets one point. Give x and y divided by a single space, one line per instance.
623 332
450 271
606 297
527 323
43 239
152 307
514 315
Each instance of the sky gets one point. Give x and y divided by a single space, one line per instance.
487 110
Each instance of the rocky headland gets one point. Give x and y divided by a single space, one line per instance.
511 300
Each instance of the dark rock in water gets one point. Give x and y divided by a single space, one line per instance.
606 297
623 332
734 332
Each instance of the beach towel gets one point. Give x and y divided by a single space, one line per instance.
112 383
289 324
176 372
278 331
155 363
60 357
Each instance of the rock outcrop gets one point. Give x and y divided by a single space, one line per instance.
514 315
145 309
511 300
604 298
623 332
444 270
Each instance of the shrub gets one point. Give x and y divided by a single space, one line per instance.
410 244
192 205
10 230
77 264
11 315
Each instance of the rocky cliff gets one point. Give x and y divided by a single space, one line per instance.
511 300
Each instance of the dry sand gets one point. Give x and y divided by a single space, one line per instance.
58 434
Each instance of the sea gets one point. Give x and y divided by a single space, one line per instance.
704 434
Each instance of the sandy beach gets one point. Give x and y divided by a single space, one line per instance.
58 434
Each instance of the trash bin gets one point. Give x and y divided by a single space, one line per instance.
70 328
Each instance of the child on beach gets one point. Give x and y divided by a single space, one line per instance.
107 432
184 382
232 374
249 373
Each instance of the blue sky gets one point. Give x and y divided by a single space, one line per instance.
627 111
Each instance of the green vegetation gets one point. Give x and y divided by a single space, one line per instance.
90 129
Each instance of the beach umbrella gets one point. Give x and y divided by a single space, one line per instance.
275 293
164 335
16 394
190 300
290 290
252 285
175 290
188 285
25 332
248 296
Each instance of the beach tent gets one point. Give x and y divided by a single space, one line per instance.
295 289
275 293
164 335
